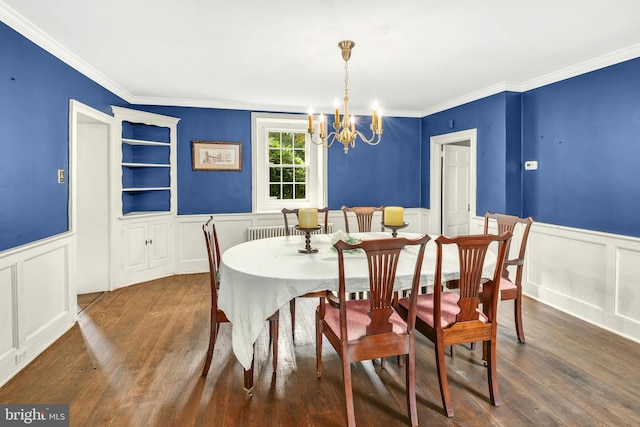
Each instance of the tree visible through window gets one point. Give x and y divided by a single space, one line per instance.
287 166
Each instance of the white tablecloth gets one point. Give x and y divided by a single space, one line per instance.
260 276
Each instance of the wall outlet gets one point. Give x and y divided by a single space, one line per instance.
60 176
21 357
531 165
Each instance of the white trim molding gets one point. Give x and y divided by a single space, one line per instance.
435 176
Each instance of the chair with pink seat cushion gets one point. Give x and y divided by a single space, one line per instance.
448 318
371 328
512 289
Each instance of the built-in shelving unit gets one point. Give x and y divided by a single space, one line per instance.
144 197
147 162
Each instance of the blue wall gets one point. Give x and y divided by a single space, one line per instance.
585 134
388 173
35 89
497 120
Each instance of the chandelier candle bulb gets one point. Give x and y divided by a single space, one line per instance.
308 218
394 215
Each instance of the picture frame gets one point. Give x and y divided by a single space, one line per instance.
216 156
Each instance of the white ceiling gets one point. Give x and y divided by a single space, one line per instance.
413 56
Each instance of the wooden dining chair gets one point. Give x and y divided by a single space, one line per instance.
218 316
320 294
364 217
448 318
371 328
286 213
511 289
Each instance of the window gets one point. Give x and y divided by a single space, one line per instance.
288 169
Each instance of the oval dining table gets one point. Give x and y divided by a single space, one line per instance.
260 276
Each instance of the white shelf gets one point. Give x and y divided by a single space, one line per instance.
146 165
143 214
141 142
133 189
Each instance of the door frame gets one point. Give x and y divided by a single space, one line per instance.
435 167
79 113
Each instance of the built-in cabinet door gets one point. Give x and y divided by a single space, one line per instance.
146 245
136 246
159 250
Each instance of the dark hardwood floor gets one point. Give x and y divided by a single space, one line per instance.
136 354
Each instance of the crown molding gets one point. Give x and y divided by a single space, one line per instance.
18 23
40 38
594 64
270 108
473 96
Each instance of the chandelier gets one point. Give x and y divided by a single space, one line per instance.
345 130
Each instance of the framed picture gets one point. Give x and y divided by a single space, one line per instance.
216 156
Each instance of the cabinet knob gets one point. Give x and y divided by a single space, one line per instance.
148 242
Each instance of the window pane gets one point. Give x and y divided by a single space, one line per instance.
287 156
301 175
274 139
287 191
287 174
299 156
275 174
274 191
299 140
301 191
274 157
287 140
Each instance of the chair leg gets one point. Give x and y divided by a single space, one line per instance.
213 335
442 378
517 311
411 386
348 392
492 372
292 309
318 345
273 337
248 380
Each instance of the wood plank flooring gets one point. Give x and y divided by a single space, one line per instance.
136 354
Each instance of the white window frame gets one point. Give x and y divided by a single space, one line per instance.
261 125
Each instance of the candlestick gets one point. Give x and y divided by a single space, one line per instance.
307 239
394 228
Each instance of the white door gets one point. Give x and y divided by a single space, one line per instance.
92 186
455 190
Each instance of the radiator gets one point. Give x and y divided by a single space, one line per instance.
254 233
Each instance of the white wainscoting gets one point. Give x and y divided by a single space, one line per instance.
37 300
591 275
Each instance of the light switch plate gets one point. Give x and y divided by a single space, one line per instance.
531 165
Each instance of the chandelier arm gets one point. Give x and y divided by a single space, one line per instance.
369 141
